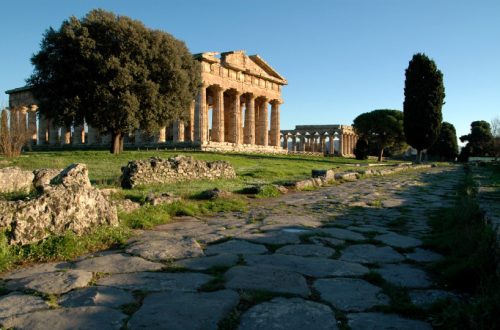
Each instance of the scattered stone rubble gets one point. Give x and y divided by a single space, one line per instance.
174 169
66 202
324 177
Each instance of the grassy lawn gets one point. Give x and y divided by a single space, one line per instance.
105 168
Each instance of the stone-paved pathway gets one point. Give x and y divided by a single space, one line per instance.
302 261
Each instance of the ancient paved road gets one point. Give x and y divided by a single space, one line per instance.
312 251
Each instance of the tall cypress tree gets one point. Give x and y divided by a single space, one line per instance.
424 96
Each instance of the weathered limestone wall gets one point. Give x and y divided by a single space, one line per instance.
175 169
248 148
67 202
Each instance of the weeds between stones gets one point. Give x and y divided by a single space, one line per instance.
468 244
400 302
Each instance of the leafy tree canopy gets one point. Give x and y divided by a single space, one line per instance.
446 146
384 128
480 139
424 96
113 73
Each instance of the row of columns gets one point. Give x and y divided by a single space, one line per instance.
228 122
50 134
239 118
318 143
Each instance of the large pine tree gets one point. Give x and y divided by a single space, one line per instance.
424 96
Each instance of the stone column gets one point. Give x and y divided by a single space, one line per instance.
348 144
235 128
53 133
162 135
332 145
250 120
322 143
242 121
178 131
23 116
66 135
78 135
42 129
285 141
32 124
92 135
218 115
190 124
275 123
302 143
351 144
341 144
200 116
294 143
263 119
257 121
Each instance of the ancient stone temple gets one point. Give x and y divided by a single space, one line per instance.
237 109
327 139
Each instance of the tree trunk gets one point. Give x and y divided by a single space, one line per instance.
419 156
380 154
121 142
115 143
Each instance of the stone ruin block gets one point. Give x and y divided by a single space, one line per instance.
174 169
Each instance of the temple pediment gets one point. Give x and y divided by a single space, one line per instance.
240 61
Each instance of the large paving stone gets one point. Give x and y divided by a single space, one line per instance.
181 310
35 270
117 263
277 221
236 247
204 263
379 321
310 266
370 254
422 255
96 296
400 241
329 241
147 281
368 229
306 250
273 237
166 249
102 318
350 294
294 313
52 283
17 303
266 278
344 234
404 275
393 202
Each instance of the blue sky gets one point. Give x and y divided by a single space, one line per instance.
341 57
